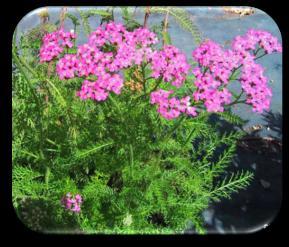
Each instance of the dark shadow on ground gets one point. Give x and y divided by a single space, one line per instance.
274 121
258 205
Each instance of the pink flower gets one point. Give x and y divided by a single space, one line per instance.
53 44
99 89
253 38
254 83
171 65
78 198
72 204
171 108
217 66
67 66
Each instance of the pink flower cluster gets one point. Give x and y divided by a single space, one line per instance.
66 66
136 48
130 47
171 64
53 44
109 49
171 108
254 84
249 41
217 65
208 90
217 61
72 203
99 90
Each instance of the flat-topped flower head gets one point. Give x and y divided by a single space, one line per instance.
171 107
217 67
98 90
53 44
254 38
67 66
170 64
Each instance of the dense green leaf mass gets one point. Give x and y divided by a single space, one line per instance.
137 172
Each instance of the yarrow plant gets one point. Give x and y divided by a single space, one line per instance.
119 137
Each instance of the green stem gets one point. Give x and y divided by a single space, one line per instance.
74 40
47 175
131 159
236 101
189 137
88 152
16 59
240 95
159 81
255 53
150 77
156 86
166 23
23 62
261 56
176 125
144 79
233 73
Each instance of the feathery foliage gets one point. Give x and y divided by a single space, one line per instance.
137 172
183 18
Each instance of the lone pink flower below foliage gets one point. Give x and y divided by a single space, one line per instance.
72 203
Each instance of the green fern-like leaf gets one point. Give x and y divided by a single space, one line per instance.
224 160
93 12
182 17
236 182
24 184
73 18
89 151
84 15
129 21
231 117
85 23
